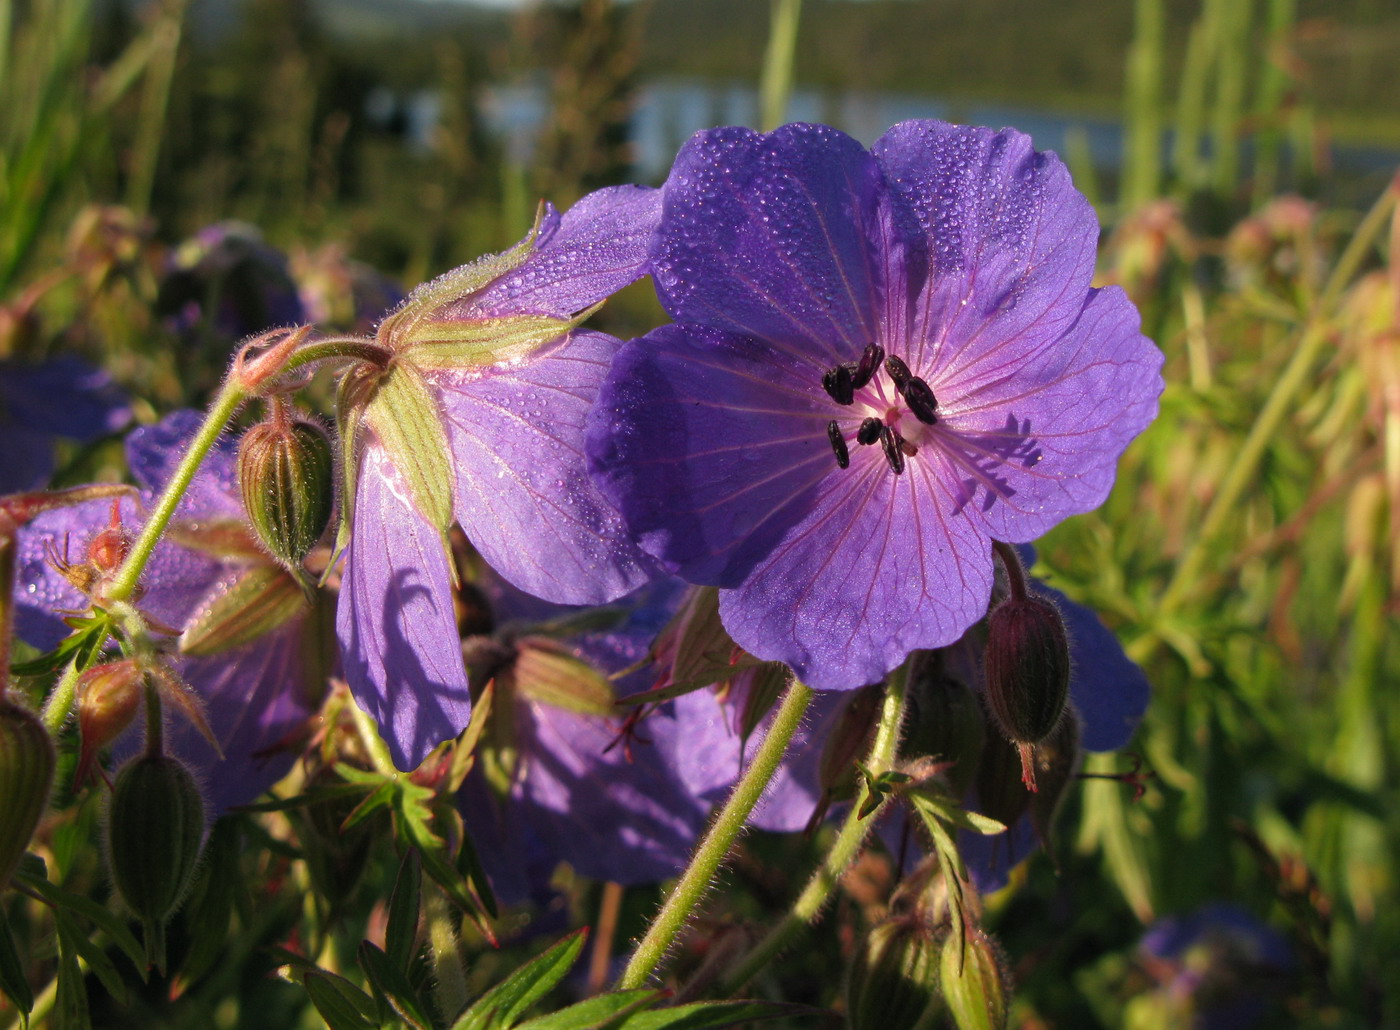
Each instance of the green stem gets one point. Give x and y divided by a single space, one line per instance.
355 347
685 896
60 699
220 412
848 844
1277 407
775 85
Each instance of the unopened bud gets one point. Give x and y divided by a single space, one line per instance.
154 832
975 982
1027 671
945 722
848 743
549 672
894 977
286 473
27 762
109 697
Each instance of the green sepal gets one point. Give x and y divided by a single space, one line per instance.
454 287
548 672
350 399
480 342
405 418
264 598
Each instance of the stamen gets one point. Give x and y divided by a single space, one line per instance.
898 371
837 382
869 364
838 444
892 443
869 431
919 396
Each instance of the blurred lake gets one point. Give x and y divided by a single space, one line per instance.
669 110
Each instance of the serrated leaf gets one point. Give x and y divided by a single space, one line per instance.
108 922
503 1004
96 958
87 640
378 798
595 1013
709 1015
341 1004
71 1005
13 982
391 983
402 929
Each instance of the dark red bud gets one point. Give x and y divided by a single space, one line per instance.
1027 671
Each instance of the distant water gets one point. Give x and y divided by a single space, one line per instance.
669 110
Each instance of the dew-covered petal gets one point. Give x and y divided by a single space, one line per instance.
1041 443
711 444
523 493
1011 246
398 634
875 569
154 452
778 236
176 579
599 246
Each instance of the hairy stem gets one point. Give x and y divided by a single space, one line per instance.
847 845
696 879
226 403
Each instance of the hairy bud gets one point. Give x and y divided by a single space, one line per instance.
1027 671
945 722
975 982
27 763
109 696
286 473
154 833
894 977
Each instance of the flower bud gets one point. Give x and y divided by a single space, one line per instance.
108 698
1027 672
549 672
894 978
154 832
945 722
847 745
286 474
975 982
27 761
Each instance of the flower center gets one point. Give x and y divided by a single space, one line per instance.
912 396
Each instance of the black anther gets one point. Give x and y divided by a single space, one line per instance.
868 365
838 444
892 443
837 382
919 396
869 431
898 371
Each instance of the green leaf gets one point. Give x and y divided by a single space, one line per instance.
402 930
341 1004
95 957
499 1007
706 1015
71 1006
89 635
594 1013
391 983
109 923
13 982
469 868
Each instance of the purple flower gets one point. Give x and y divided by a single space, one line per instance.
62 397
258 693
576 788
479 417
882 362
1108 692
